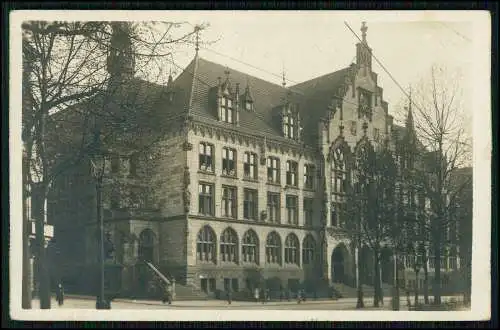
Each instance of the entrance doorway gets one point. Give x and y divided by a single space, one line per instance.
339 256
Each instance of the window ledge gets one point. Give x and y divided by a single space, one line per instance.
274 183
206 172
228 176
245 178
206 215
291 187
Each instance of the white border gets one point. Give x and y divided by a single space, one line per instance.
481 280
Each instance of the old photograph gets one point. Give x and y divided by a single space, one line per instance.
226 165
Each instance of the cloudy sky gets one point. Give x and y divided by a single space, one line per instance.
308 44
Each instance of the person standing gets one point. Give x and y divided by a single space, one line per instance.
60 294
229 296
256 294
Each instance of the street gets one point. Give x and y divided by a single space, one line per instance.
341 304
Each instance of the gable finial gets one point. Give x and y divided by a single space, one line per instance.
284 79
364 28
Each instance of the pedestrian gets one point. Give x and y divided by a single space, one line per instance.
299 296
229 296
60 294
268 295
263 295
256 294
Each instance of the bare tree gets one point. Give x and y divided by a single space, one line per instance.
83 66
440 127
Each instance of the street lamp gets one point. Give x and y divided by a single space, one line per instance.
98 162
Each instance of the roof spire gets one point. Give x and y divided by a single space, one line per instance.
364 28
197 29
409 119
284 79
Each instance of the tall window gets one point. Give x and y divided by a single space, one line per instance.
228 161
309 171
308 212
229 246
226 111
229 202
289 125
308 250
250 204
206 199
250 165
206 158
333 215
292 210
146 245
292 249
291 173
205 245
250 247
339 176
273 170
273 248
273 207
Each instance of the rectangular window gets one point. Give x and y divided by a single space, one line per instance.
234 284
250 204
229 202
227 284
292 210
273 170
273 207
228 162
376 134
206 199
206 158
212 286
204 285
309 172
291 173
250 165
308 212
226 111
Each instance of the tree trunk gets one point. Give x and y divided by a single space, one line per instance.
378 295
26 280
416 286
360 303
43 269
426 282
437 275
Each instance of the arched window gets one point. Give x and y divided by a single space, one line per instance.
250 247
229 246
273 248
308 250
146 245
205 247
292 249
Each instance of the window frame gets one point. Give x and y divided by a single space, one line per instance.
248 165
274 204
229 194
202 196
308 211
206 249
273 248
273 170
209 167
308 250
228 246
292 172
250 247
226 162
309 175
292 209
250 205
292 250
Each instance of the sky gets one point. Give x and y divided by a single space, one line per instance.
306 45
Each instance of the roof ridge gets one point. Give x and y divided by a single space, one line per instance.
319 77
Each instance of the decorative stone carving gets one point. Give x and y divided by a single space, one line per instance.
186 196
186 146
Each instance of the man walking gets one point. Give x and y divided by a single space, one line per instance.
60 294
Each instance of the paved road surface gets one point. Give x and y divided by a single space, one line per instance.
341 304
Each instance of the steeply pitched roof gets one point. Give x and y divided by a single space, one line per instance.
201 75
316 97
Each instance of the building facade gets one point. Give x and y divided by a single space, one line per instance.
245 187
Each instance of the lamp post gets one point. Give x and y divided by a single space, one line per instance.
395 289
98 162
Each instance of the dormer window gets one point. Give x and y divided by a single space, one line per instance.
226 110
248 106
290 125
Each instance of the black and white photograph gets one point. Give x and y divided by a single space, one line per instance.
250 165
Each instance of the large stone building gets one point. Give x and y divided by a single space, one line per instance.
245 183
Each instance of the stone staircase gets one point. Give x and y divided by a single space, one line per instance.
188 292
